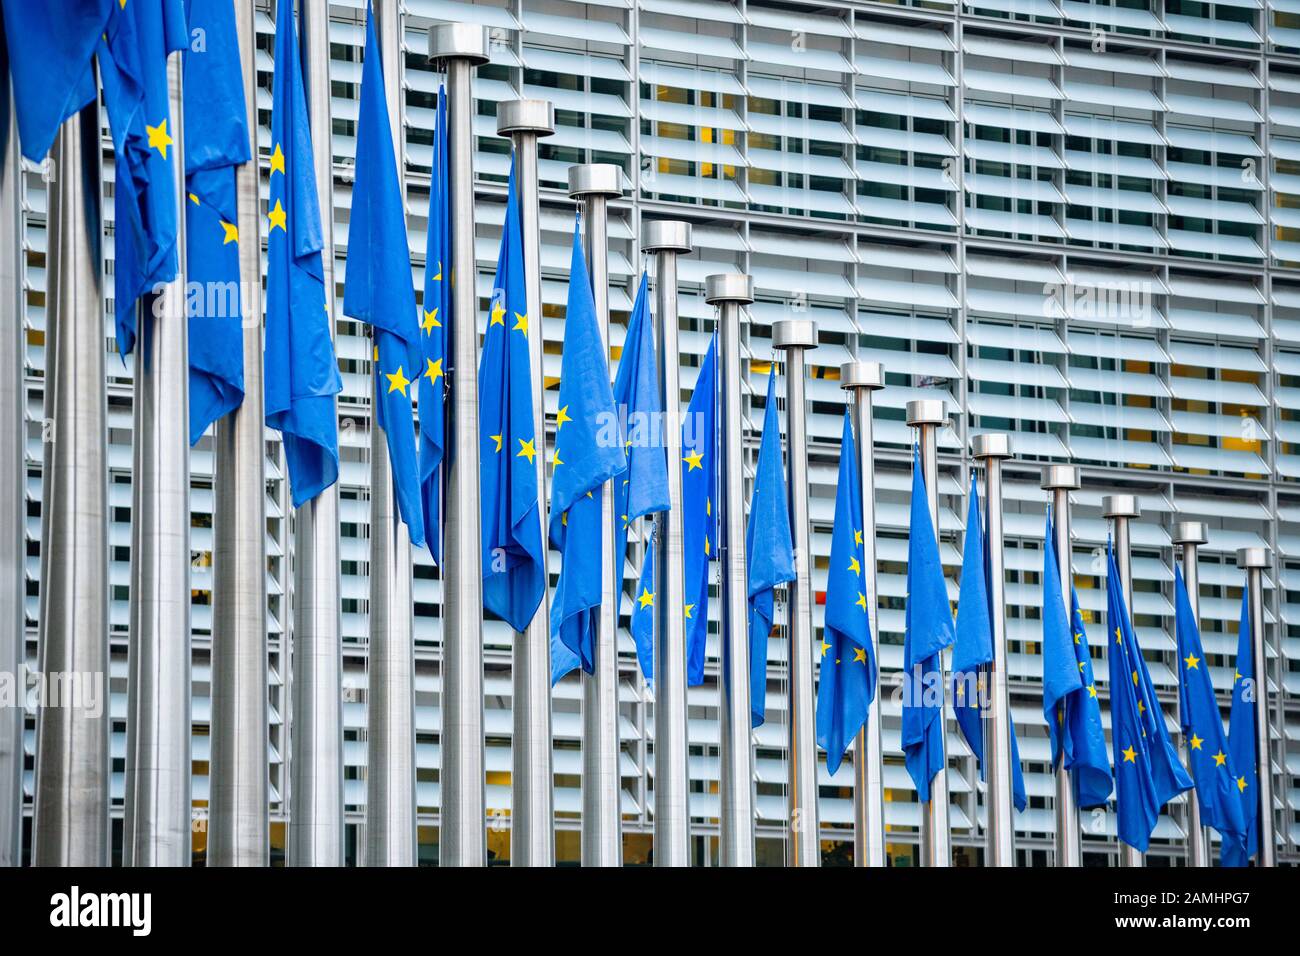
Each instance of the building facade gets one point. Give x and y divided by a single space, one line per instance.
1075 222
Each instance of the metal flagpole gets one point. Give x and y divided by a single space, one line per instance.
594 184
735 748
532 777
316 691
391 826
672 834
462 838
1121 509
993 448
1253 561
861 380
156 821
1191 535
13 489
73 767
238 833
795 337
927 415
1060 480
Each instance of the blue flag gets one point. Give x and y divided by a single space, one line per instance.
302 375
699 517
51 63
133 53
216 145
1070 702
435 321
514 560
769 551
1202 725
379 290
1241 741
588 453
643 616
847 683
928 630
643 488
972 654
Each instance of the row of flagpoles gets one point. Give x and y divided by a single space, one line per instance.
446 488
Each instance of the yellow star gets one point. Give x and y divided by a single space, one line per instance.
1081 666
521 323
561 417
497 439
694 460
1135 678
1130 755
854 566
1241 784
859 655
1118 639
1092 690
1142 709
158 138
707 549
1191 661
1219 758
278 218
557 462
646 599
397 382
861 602
434 371
689 609
1195 742
277 160
498 314
430 321
1236 676
825 647
438 277
526 450
195 199
1078 638
961 691
857 537
232 232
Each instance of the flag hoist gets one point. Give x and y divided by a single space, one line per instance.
1262 838
1190 535
459 48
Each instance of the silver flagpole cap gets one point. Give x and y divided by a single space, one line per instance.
991 445
926 411
1191 532
595 179
1121 506
1065 477
729 287
666 235
869 375
1248 558
459 41
526 116
794 334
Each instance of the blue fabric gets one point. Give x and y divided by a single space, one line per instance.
435 324
699 516
1241 741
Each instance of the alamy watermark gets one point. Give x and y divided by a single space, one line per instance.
35 690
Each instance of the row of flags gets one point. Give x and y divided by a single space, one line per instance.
604 433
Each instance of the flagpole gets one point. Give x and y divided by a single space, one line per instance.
594 184
239 788
993 448
460 47
861 380
1121 509
316 689
391 826
13 440
795 337
73 767
1060 480
927 416
156 820
1253 561
735 739
1191 535
667 240
532 777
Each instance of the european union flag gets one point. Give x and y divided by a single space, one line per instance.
928 630
1198 715
643 616
435 322
699 519
1241 741
588 453
51 63
847 676
379 290
216 145
514 560
769 551
643 488
133 53
1070 702
972 653
302 375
